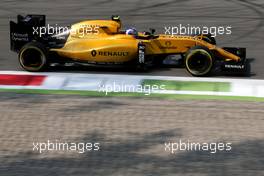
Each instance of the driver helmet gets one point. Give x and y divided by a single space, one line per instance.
131 31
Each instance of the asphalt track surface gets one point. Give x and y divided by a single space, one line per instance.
245 16
131 133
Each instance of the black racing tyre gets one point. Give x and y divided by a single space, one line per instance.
199 61
33 57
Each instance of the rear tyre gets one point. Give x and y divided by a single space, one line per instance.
33 57
199 61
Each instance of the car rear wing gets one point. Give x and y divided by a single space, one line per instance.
23 31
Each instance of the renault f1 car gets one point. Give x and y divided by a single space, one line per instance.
103 42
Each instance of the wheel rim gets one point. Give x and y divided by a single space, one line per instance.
32 59
199 62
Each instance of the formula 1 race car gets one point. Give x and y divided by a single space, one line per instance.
103 42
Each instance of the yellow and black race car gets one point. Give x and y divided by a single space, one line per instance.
104 42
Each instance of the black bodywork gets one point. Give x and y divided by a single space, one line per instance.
24 32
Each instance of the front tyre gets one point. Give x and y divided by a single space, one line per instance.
33 57
199 61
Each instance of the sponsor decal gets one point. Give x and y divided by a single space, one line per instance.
235 66
141 54
94 53
109 53
168 45
19 37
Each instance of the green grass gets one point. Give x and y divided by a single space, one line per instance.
190 85
137 95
